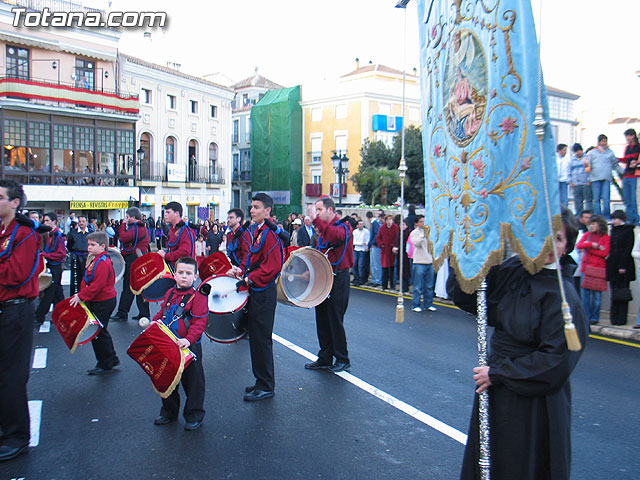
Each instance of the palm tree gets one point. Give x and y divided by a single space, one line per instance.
382 178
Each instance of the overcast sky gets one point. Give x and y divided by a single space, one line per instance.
589 47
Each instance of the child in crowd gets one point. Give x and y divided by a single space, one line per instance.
185 311
201 249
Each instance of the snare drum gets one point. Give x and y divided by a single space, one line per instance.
76 325
306 278
156 351
226 322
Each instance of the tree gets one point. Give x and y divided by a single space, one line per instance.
413 157
382 178
373 155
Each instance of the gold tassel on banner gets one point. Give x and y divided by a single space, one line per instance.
570 332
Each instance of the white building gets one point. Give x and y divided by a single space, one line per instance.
185 133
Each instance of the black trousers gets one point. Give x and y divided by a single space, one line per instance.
193 383
16 341
260 316
52 295
103 344
126 297
329 321
78 265
388 280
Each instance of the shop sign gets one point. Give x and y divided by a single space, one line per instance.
280 197
147 200
214 200
106 205
193 199
176 172
170 198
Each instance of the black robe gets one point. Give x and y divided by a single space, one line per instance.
530 396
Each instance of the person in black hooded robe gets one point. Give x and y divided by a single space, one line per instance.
528 367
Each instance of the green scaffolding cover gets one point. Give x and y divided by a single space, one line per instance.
276 147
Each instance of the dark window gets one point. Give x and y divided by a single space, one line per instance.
171 102
146 96
194 106
17 63
214 111
236 128
170 150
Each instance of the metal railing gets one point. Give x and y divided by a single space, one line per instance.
206 174
52 5
153 171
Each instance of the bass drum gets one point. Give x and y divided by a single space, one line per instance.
117 260
306 278
227 310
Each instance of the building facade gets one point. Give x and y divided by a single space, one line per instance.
248 92
183 137
365 104
561 114
64 122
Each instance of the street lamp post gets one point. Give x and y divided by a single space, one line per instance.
402 168
340 164
140 153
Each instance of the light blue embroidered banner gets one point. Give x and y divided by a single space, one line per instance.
483 164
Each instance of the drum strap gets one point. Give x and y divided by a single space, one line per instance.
178 312
135 242
322 246
54 238
7 251
251 268
177 240
89 278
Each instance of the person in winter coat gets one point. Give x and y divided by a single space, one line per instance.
388 239
620 267
595 245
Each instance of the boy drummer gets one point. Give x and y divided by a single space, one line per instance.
185 312
98 292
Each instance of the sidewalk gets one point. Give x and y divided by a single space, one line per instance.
604 327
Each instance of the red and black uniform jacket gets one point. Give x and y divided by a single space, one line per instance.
264 260
238 247
337 239
133 237
55 250
181 243
196 312
99 280
19 257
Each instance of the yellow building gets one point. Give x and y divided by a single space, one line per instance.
337 118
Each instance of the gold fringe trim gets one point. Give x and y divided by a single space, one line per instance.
146 285
495 257
176 379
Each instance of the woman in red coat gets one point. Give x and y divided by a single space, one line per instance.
387 240
595 245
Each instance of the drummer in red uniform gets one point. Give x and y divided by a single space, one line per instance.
260 271
336 238
19 256
238 238
181 241
55 253
185 312
98 292
133 238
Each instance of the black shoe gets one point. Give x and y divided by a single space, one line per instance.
120 318
9 453
191 426
256 394
317 366
100 371
37 324
138 317
339 367
249 389
162 420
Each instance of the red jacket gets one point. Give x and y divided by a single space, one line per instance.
181 243
196 310
133 237
265 257
594 256
335 235
238 253
55 250
386 240
98 282
17 258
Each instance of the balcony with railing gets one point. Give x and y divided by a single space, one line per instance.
313 189
206 174
50 92
336 191
152 171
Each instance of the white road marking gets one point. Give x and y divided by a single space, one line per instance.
45 327
66 277
40 358
35 411
425 418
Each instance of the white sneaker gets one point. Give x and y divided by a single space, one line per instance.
417 309
432 308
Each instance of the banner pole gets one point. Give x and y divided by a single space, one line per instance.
484 461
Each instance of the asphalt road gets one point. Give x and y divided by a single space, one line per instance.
319 425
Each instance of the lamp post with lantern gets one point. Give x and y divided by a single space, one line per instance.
340 165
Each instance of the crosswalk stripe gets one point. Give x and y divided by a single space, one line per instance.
40 358
35 412
45 327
